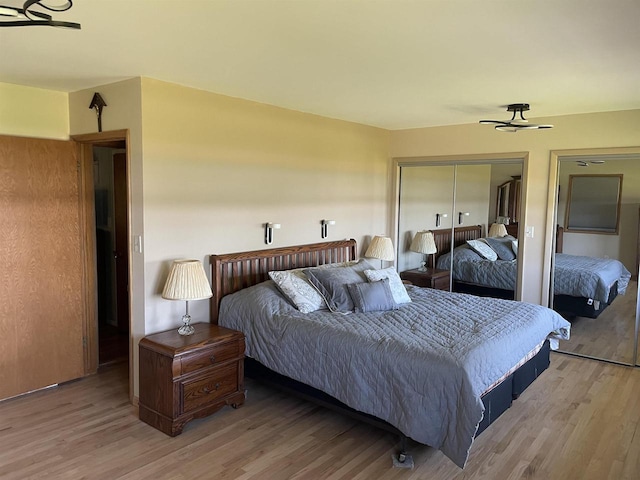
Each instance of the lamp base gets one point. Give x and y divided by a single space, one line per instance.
186 329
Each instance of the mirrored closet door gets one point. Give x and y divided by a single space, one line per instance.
598 213
456 204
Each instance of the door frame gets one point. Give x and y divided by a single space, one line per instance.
87 142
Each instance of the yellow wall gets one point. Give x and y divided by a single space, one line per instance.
597 130
33 112
217 168
208 170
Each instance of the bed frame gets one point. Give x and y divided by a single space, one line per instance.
235 271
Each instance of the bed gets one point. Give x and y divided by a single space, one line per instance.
583 286
479 353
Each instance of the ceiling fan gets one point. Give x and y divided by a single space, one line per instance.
517 122
585 163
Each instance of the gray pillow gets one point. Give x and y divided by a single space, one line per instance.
502 246
372 297
332 283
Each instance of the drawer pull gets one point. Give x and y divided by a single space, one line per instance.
216 387
212 358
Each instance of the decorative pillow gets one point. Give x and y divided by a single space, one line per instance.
502 247
483 249
295 286
332 283
398 290
514 247
372 297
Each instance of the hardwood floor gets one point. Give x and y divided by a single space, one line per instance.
579 420
610 336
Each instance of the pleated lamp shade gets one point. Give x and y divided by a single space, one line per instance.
423 242
380 247
497 230
187 281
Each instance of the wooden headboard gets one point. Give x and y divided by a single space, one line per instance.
234 271
442 239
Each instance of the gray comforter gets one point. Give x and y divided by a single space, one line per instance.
422 368
577 276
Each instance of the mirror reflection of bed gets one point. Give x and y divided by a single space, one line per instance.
426 190
612 334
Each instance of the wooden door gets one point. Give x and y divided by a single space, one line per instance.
121 252
41 280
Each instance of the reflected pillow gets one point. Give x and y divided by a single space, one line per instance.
483 249
502 246
396 286
372 297
514 247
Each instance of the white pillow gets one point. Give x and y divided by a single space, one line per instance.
398 291
514 246
298 290
483 249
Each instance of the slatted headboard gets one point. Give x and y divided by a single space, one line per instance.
234 271
442 238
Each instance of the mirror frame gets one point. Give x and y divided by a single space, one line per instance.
469 159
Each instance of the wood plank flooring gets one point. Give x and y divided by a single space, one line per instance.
610 336
579 420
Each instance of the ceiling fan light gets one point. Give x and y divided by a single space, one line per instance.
8 12
515 124
29 16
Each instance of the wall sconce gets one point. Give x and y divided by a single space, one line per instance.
439 216
461 216
268 232
324 227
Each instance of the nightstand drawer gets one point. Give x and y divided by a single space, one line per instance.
212 356
202 392
441 283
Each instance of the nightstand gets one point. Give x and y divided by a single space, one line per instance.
429 278
187 377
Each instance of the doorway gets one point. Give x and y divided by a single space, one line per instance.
107 235
112 265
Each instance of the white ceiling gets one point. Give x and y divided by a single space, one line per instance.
389 63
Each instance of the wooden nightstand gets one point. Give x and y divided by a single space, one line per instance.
187 377
429 277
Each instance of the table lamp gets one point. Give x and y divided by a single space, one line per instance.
381 248
187 281
497 230
423 242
